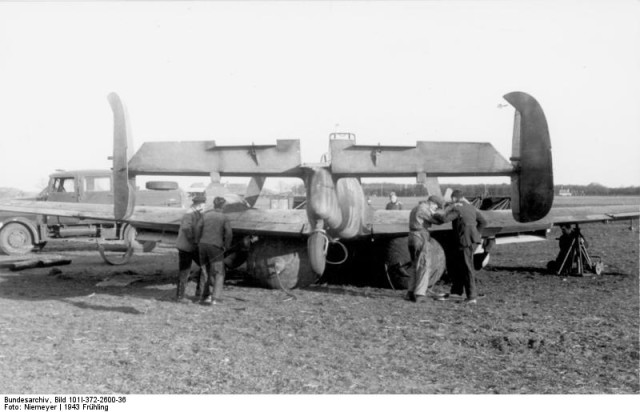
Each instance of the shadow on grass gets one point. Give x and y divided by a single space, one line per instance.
346 290
531 270
121 309
528 270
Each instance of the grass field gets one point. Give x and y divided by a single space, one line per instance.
532 333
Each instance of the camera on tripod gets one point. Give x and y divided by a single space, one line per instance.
574 259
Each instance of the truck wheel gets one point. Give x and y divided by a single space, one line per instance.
15 239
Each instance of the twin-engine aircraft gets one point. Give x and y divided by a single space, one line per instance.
292 245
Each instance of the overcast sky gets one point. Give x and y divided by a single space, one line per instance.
390 72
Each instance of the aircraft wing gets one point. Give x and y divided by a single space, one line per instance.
501 222
389 223
157 218
77 210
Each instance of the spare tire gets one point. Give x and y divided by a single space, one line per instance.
162 185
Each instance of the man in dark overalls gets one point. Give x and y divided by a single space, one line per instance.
421 218
187 244
215 239
467 224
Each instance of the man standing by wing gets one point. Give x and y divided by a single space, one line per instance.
394 203
187 245
467 224
215 239
421 218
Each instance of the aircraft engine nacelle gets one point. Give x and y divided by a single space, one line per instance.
335 209
322 200
280 263
352 207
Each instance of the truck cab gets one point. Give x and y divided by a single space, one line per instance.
19 234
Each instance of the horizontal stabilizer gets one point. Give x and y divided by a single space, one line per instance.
200 158
432 158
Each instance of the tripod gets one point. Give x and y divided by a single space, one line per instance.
576 258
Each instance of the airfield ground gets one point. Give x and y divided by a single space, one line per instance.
532 333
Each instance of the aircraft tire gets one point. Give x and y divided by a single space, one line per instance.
280 263
316 246
15 239
396 260
129 237
115 258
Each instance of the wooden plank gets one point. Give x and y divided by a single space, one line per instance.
77 210
38 263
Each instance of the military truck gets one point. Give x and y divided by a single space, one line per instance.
21 233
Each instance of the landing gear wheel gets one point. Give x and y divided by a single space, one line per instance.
15 239
317 245
115 258
129 237
148 246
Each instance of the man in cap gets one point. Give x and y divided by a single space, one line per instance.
393 204
421 218
467 224
215 239
187 244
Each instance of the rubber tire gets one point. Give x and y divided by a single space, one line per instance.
316 245
162 185
12 232
115 259
129 237
397 260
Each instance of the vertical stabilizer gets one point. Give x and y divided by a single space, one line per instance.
532 179
123 193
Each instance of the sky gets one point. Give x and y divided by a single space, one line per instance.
254 72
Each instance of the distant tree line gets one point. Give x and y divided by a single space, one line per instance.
416 190
10 193
478 190
498 190
596 189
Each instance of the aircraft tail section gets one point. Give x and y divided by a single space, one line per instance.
432 159
123 191
532 177
530 168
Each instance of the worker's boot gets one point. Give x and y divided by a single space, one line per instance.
180 292
183 278
202 280
410 296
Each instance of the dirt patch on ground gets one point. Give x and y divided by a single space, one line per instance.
60 332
